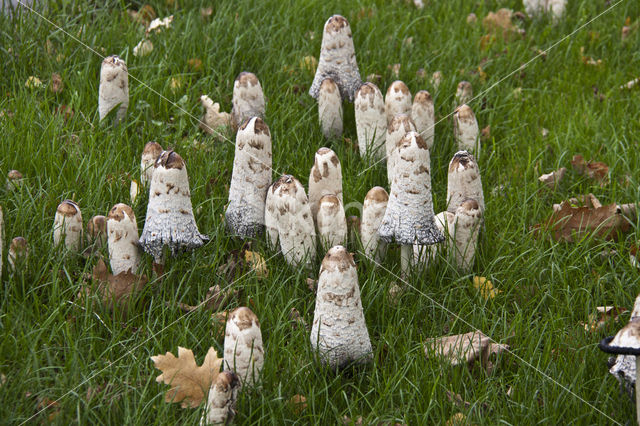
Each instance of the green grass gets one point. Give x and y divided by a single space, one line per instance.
56 346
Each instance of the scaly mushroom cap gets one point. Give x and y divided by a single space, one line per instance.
468 219
422 254
150 154
409 216
464 181
398 100
330 109
466 130
122 231
14 180
67 225
243 351
250 179
399 126
373 209
221 401
332 223
337 59
18 252
423 116
248 99
97 229
628 336
325 178
464 92
170 220
114 87
339 332
371 121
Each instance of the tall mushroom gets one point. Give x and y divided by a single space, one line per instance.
464 92
67 225
397 100
409 217
330 109
337 59
248 99
18 253
250 179
467 222
373 209
464 181
339 332
170 220
271 216
371 121
221 401
243 350
114 87
332 223
399 126
150 154
325 178
466 130
423 116
122 232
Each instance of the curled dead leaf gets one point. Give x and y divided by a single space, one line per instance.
552 179
500 23
298 404
213 121
596 170
467 348
257 263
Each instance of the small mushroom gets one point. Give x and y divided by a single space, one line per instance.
461 230
243 351
18 254
248 99
150 154
330 109
409 217
332 223
337 59
436 79
14 180
399 126
221 401
464 181
466 130
122 230
339 332
373 209
464 92
371 121
423 116
114 88
397 100
250 180
325 178
170 220
537 7
97 230
67 225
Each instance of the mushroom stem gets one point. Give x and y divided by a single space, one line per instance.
638 389
406 252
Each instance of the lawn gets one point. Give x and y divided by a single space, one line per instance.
540 94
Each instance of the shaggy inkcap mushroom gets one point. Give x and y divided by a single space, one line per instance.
248 99
399 126
464 92
122 230
623 367
339 332
464 181
337 59
330 109
373 209
114 87
536 7
332 223
14 180
67 225
250 179
423 255
423 116
170 220
97 230
409 216
243 351
398 100
325 178
466 130
371 121
18 253
150 154
271 216
220 408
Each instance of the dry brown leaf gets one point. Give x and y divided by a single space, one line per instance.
213 121
596 170
605 314
51 406
487 291
499 24
298 404
553 178
309 63
56 84
458 419
195 64
465 348
189 382
588 60
257 263
114 290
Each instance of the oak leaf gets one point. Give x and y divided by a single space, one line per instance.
596 170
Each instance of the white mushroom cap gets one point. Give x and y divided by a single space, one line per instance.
466 130
250 179
243 350
636 308
330 109
373 209
150 154
221 400
398 100
67 225
332 223
18 253
399 126
114 87
468 219
536 7
464 181
325 178
337 59
371 121
464 92
122 230
97 229
628 336
14 180
339 332
423 116
248 99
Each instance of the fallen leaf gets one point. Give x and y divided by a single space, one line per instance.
465 348
588 60
51 406
487 291
206 12
114 290
158 24
143 48
553 178
56 84
499 24
309 63
486 133
195 64
33 83
604 314
257 263
213 121
596 170
298 404
189 382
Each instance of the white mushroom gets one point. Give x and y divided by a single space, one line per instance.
330 109
468 219
466 130
97 230
14 180
248 99
339 332
170 220
271 217
325 178
371 121
397 100
250 180
221 401
67 225
337 59
18 253
464 181
423 116
150 154
114 87
122 230
424 255
536 7
243 351
373 209
332 223
399 126
464 93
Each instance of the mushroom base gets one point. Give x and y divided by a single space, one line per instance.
176 238
237 225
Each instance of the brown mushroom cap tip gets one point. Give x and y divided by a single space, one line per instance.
170 160
378 194
68 208
338 257
119 210
18 243
152 148
398 86
245 78
244 317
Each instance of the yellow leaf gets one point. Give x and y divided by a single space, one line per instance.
485 287
257 263
309 63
